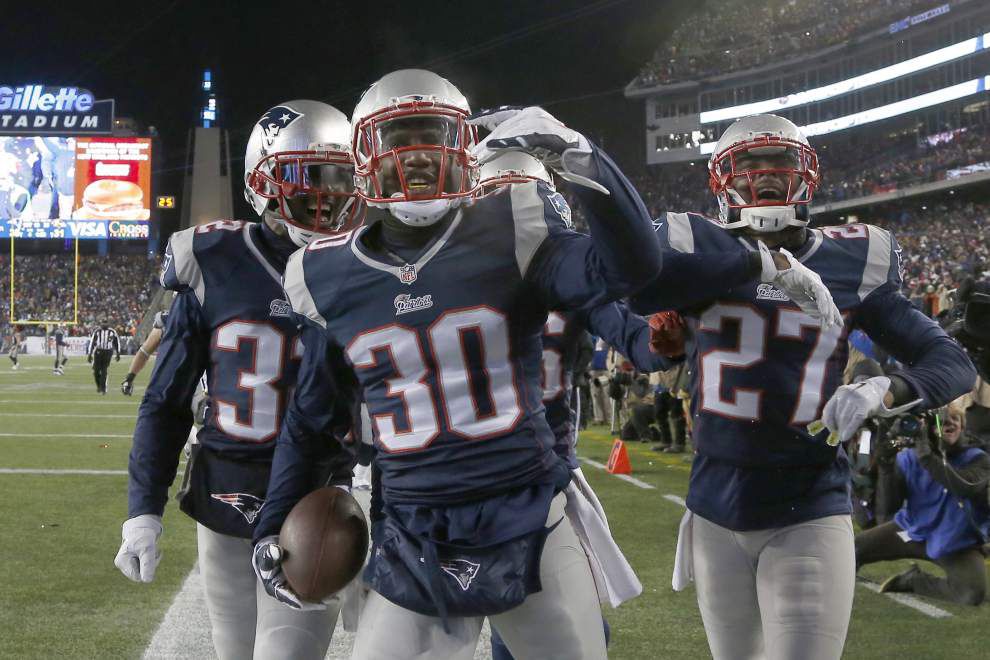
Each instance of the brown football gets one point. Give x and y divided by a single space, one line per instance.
325 539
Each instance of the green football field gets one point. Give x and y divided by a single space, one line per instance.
63 493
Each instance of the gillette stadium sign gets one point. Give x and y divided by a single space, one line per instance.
41 110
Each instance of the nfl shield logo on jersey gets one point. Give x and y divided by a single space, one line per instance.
407 274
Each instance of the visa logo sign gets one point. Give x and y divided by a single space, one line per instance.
87 229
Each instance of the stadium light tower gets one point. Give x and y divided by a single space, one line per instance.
207 193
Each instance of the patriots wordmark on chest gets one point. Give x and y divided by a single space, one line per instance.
768 292
404 303
280 308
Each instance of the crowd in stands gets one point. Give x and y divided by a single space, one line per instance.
728 35
116 289
899 163
942 244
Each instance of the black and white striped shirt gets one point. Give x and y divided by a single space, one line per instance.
104 340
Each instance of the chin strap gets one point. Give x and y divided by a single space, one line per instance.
420 214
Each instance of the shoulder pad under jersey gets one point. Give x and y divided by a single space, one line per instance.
181 268
537 212
294 284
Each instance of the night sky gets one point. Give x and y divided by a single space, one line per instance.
573 58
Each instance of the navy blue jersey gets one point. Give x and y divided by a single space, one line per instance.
618 327
60 338
764 370
230 319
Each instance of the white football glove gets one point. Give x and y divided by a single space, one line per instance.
267 561
802 285
851 405
139 555
536 132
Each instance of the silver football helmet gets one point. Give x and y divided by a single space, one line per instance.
511 167
411 146
763 173
298 168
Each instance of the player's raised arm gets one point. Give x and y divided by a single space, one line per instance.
622 254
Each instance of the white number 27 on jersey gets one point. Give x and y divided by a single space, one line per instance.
744 403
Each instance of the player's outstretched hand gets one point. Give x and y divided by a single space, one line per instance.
117 358
852 405
801 284
89 358
127 385
667 334
535 131
139 555
267 561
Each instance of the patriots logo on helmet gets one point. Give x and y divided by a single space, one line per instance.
462 570
248 505
275 120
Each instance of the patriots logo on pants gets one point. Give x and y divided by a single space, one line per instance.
275 120
462 570
248 505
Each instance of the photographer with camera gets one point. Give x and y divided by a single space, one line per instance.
945 516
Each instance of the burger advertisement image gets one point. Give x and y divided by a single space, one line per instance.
113 179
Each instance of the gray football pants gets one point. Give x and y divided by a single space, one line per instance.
563 621
775 594
246 622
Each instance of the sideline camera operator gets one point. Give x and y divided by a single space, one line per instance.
945 517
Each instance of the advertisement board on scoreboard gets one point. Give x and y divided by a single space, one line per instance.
47 181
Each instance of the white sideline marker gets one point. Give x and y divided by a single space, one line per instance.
65 435
43 415
904 599
625 477
79 472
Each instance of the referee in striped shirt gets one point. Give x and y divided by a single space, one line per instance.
103 342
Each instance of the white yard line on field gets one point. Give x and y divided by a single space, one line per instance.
42 414
909 601
65 435
625 477
63 472
904 599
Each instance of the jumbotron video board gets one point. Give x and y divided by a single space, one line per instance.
79 185
86 187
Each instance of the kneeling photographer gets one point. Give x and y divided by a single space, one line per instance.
940 488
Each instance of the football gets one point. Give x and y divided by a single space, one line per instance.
325 539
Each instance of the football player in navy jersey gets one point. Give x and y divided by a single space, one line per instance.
435 310
615 580
768 533
230 319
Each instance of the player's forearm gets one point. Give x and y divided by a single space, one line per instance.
689 280
289 481
627 333
937 368
624 240
138 362
159 436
